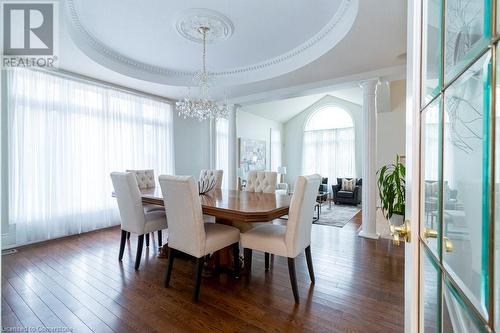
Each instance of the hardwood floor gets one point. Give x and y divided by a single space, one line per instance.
78 282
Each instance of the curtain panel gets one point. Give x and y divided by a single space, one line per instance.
65 138
221 149
275 149
330 153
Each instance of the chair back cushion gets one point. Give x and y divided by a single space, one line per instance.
300 215
217 174
129 201
145 178
261 181
186 231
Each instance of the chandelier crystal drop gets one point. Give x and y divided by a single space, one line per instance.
204 107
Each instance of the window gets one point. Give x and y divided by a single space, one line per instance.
221 149
275 149
328 147
65 138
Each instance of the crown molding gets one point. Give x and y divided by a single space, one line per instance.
393 73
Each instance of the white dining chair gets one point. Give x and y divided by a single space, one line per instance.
146 180
133 217
291 239
187 231
261 181
207 174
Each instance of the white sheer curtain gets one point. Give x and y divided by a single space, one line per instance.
329 152
221 148
275 149
65 137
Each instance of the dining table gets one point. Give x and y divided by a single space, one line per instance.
232 207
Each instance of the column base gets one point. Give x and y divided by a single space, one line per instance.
369 235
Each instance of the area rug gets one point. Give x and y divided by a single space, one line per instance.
336 215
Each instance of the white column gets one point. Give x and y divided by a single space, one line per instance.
369 187
231 153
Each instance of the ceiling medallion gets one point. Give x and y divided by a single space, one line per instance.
220 27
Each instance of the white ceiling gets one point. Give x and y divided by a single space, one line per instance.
375 41
285 109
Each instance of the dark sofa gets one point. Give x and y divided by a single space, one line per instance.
346 197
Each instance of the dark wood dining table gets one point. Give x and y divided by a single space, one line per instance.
233 205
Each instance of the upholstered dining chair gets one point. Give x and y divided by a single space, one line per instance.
261 181
218 174
146 180
290 239
187 231
205 175
133 217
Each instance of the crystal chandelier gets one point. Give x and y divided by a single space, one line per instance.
204 107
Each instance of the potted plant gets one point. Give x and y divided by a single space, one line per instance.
391 185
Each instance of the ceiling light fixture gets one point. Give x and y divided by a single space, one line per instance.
204 107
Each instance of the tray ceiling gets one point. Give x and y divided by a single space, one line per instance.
257 39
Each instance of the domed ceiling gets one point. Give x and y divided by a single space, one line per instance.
255 40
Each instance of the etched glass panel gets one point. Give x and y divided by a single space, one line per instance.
457 316
431 53
466 34
431 175
465 191
430 293
497 200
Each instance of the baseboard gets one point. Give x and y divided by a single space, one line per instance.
369 235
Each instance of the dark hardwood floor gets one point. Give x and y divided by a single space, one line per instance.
78 282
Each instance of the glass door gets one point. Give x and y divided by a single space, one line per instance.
458 179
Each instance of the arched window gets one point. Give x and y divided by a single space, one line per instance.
330 117
329 147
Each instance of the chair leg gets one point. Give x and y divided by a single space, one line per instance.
147 240
293 278
171 256
159 239
266 260
199 271
140 244
122 244
247 257
236 255
128 235
310 264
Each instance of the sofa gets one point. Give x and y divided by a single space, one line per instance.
341 196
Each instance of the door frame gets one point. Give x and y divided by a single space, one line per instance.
413 84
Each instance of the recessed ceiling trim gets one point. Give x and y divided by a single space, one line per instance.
310 50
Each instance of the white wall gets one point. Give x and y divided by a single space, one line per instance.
250 126
192 145
294 132
391 126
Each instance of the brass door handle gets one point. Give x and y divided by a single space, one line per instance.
401 232
431 233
